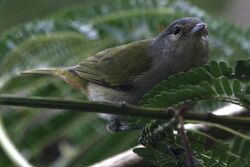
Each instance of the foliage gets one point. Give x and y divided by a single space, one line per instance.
215 81
80 139
207 151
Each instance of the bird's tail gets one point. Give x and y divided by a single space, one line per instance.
68 75
45 71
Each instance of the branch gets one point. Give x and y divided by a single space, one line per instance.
118 109
184 137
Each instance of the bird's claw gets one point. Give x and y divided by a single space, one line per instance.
117 126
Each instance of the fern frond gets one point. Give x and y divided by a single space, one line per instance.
215 81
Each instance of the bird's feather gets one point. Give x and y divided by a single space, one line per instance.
116 67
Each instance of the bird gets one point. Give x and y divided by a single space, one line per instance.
125 73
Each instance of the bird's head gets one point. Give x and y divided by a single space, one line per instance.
184 37
185 29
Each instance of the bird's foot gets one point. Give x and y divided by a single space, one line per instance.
117 126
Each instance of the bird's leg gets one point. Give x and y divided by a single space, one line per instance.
116 125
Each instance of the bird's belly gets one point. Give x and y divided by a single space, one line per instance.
97 92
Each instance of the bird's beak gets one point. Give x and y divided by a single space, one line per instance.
200 28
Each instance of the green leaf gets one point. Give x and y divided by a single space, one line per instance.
226 71
242 69
218 87
215 69
226 86
156 158
236 86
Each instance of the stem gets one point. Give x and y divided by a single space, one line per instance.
118 109
185 141
227 129
11 150
85 106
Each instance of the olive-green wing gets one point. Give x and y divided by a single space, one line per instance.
116 66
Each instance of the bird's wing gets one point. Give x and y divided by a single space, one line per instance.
117 66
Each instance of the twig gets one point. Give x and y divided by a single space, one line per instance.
221 127
118 108
185 141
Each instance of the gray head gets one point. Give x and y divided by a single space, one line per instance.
185 38
185 28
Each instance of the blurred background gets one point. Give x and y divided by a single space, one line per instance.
14 12
35 33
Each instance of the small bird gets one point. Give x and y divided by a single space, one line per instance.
125 73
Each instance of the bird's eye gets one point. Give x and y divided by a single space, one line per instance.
177 29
